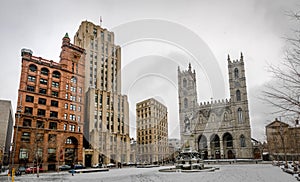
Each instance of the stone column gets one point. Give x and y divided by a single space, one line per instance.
208 150
221 149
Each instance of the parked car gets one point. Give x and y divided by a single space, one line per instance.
22 169
64 167
33 170
111 165
99 165
78 166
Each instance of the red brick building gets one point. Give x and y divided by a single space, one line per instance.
49 120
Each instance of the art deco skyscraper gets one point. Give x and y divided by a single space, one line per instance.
107 129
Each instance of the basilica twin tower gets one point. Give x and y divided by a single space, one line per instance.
217 129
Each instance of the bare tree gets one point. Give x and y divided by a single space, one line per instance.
284 92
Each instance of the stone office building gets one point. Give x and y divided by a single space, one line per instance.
152 132
107 111
217 129
50 117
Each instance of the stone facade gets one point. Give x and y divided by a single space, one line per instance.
217 129
6 130
50 115
152 131
107 127
283 141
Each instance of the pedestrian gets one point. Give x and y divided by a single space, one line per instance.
72 169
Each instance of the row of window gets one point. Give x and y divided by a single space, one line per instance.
41 101
41 90
44 71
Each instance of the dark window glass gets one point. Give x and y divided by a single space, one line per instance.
32 68
40 124
43 81
44 71
31 78
53 114
53 125
41 112
28 110
42 101
25 137
30 88
42 91
54 94
54 103
56 74
27 122
29 98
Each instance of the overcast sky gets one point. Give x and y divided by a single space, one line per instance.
157 36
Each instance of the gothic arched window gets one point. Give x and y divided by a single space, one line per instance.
240 115
225 117
242 141
184 83
238 95
236 73
185 103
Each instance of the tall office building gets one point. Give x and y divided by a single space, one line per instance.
152 131
6 130
49 119
107 126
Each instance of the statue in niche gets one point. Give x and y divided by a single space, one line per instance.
187 124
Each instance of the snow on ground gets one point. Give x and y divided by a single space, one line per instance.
227 173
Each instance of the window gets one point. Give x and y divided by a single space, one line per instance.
55 84
73 89
72 127
52 138
42 101
67 86
30 88
54 103
53 114
79 108
23 153
41 112
65 126
68 141
185 103
72 117
73 98
184 83
79 99
73 80
80 90
238 95
236 73
39 137
51 155
25 137
78 118
66 105
242 141
32 68
65 116
28 110
66 97
72 107
240 115
29 98
225 118
43 91
54 94
43 81
40 124
53 125
44 71
56 74
27 122
31 78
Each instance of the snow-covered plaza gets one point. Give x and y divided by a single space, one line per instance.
227 173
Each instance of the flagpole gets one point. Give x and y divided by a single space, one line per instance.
100 21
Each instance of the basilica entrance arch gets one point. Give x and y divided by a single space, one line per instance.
215 146
202 146
228 145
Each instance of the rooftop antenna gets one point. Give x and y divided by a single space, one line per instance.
100 21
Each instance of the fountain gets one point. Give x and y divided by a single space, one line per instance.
189 160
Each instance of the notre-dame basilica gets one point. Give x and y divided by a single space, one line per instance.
217 129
